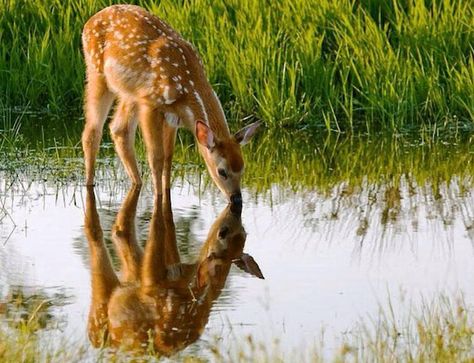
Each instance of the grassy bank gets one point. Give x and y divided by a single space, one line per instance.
360 66
438 331
298 161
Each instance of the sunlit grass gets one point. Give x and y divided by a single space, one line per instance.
24 319
328 65
440 330
290 160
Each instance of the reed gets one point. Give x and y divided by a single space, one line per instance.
440 330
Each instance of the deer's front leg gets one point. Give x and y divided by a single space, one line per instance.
169 137
151 124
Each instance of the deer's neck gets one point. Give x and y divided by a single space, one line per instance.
203 104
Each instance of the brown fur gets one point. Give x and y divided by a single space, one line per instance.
230 150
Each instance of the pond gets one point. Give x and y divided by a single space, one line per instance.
337 234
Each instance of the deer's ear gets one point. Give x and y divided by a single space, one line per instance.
246 263
204 134
201 278
244 135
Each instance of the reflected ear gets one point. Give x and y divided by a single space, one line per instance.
204 134
243 136
248 264
209 268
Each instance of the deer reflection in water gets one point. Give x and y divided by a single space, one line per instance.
158 301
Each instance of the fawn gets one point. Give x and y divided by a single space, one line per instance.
159 300
160 83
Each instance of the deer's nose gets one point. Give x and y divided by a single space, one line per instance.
236 198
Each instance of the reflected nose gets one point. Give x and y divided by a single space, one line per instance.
236 198
236 209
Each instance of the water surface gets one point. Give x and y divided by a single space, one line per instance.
330 253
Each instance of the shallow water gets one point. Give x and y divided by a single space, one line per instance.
329 257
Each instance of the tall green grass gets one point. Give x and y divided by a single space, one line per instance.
346 65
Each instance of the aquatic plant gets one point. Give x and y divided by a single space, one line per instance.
440 330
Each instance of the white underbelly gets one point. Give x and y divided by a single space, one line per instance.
125 81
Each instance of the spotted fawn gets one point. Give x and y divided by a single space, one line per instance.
160 84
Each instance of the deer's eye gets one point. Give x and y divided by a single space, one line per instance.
223 232
222 173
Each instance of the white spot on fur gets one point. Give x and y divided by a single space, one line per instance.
167 96
189 113
201 104
220 108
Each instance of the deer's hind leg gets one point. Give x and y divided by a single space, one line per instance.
123 129
98 100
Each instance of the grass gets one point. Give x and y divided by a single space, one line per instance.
359 66
440 330
298 161
26 317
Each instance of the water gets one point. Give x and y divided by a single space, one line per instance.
329 256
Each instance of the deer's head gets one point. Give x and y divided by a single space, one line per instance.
224 245
223 157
